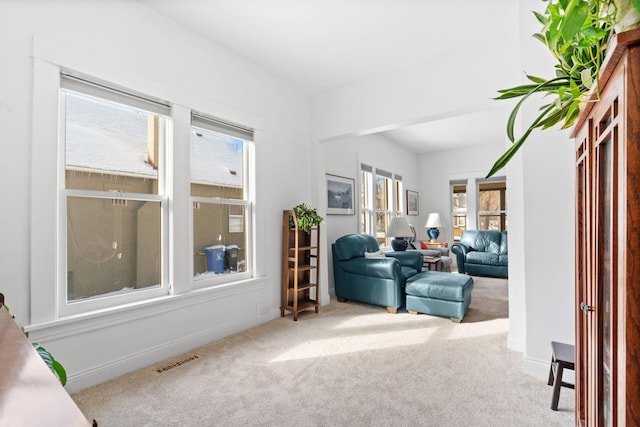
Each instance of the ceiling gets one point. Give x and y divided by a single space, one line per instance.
323 44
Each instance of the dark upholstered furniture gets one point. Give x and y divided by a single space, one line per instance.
482 253
379 281
439 294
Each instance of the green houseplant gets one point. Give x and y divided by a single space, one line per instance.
55 366
576 32
306 216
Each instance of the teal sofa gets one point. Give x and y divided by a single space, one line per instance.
380 280
482 253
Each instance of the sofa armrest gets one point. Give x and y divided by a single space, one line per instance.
461 250
411 259
385 268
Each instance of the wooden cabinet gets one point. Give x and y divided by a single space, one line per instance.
300 267
30 394
607 137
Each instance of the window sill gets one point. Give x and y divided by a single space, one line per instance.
98 319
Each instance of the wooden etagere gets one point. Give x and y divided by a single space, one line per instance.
300 267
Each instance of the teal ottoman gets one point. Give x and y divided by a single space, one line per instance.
439 293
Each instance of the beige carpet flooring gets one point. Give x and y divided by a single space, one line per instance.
349 365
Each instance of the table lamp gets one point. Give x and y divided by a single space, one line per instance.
433 223
399 229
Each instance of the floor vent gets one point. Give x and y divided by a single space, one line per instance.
177 363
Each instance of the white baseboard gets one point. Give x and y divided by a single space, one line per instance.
536 368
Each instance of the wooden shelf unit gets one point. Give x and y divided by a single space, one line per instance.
300 267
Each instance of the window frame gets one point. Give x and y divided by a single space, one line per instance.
208 123
502 213
366 202
368 206
70 83
47 179
457 214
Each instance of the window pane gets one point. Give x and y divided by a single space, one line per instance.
220 239
459 225
492 205
382 193
216 165
399 198
459 209
113 246
111 147
366 206
382 221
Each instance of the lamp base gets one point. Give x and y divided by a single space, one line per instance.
399 244
433 234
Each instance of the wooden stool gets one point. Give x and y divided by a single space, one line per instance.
562 357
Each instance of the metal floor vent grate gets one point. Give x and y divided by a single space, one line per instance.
177 363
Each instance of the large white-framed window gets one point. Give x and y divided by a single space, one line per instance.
220 160
114 206
458 207
126 168
492 204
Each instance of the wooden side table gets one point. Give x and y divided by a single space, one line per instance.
437 244
429 261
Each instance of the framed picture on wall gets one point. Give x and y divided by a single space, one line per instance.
340 195
412 202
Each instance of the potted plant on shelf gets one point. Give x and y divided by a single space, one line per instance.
306 216
576 32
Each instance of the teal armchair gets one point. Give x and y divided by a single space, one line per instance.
380 280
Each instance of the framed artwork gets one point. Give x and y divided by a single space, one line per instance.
340 195
412 202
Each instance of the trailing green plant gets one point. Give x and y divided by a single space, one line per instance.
306 216
52 363
576 32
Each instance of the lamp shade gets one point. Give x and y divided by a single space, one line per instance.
434 221
399 227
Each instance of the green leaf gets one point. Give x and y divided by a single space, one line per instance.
540 17
575 16
55 366
636 5
511 151
535 79
540 38
586 77
543 87
60 372
573 87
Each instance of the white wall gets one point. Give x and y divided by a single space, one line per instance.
129 45
548 191
342 157
438 169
